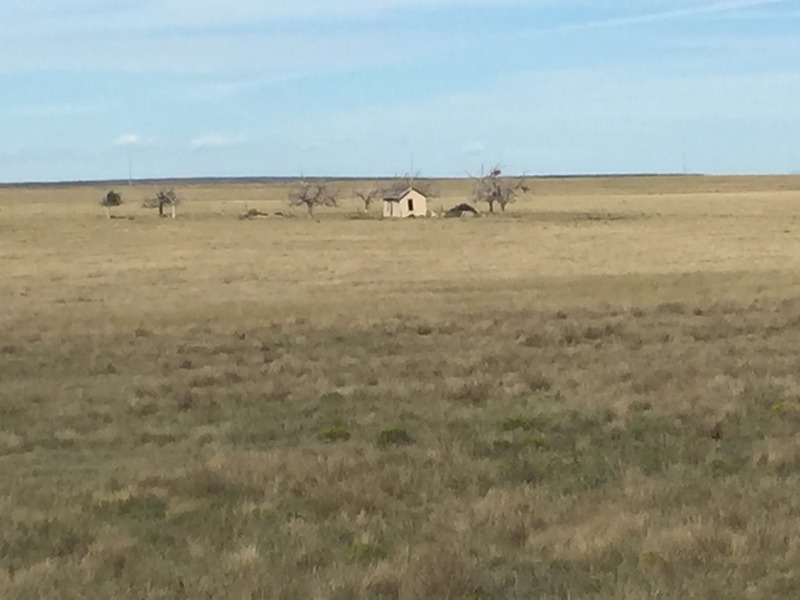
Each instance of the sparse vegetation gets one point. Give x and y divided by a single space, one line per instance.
561 407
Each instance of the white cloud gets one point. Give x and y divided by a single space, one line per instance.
273 56
277 38
128 139
703 8
216 140
193 13
153 14
48 16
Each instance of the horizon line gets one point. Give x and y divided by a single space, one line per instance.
125 182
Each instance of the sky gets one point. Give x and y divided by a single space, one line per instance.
104 89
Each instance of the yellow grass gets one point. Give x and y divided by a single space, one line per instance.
593 395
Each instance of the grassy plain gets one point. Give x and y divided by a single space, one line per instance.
596 395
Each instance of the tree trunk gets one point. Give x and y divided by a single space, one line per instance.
161 209
491 206
310 209
502 207
108 212
172 208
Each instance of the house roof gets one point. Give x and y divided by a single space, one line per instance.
397 196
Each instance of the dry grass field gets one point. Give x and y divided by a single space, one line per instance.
595 395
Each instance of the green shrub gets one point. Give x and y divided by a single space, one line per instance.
332 398
365 553
335 434
516 423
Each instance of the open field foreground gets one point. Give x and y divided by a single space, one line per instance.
595 395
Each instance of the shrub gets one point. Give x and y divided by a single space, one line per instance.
365 553
335 434
332 398
516 423
394 437
424 330
538 382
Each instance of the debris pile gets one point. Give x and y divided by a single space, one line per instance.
462 210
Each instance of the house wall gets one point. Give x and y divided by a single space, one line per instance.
420 204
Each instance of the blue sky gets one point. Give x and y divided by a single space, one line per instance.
182 88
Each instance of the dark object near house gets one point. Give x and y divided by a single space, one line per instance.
253 213
462 210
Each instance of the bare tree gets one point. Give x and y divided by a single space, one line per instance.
369 195
494 188
311 194
164 198
400 184
111 199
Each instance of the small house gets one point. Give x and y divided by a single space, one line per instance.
408 203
